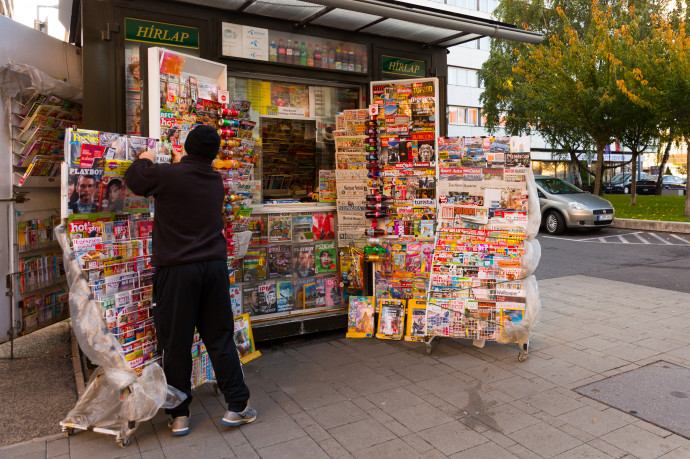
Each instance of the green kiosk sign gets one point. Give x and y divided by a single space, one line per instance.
400 66
161 33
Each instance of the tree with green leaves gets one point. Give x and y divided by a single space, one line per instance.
567 88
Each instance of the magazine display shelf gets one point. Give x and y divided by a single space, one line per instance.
481 285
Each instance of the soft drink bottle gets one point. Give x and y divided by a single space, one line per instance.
376 214
350 61
310 56
295 53
377 198
288 53
273 52
281 51
303 54
317 57
324 57
373 232
331 57
338 59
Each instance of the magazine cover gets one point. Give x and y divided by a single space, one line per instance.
82 194
257 225
351 268
391 318
115 145
360 317
510 316
236 300
268 298
323 226
325 257
250 299
298 287
112 194
416 321
279 228
255 262
303 260
302 229
286 296
332 291
309 294
320 300
78 138
279 261
136 146
244 339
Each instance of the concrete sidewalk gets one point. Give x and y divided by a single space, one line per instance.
338 397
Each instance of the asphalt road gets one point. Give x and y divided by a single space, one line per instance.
654 259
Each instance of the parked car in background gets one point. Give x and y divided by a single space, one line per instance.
622 184
564 205
671 182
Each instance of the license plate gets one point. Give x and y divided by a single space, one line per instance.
605 217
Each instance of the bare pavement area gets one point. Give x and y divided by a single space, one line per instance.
337 397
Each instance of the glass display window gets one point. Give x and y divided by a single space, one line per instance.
296 123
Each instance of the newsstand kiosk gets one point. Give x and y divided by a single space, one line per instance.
295 66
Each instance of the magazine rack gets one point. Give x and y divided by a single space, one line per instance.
481 285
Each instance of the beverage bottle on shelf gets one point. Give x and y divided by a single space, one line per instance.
273 52
228 123
338 59
372 157
358 61
281 51
295 53
350 61
377 206
331 57
303 54
289 57
324 57
377 197
376 214
364 62
374 174
227 112
310 55
317 56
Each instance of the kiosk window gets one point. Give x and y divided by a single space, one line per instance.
296 123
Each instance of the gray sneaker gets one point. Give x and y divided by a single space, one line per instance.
235 419
179 425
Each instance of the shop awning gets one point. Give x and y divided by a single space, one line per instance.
392 19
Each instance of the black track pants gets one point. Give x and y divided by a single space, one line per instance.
189 295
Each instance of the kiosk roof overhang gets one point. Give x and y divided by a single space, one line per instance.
391 19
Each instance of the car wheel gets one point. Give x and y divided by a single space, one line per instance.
554 222
626 190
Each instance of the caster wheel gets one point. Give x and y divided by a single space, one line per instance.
68 431
522 357
216 390
123 442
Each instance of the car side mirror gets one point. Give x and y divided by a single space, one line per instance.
540 194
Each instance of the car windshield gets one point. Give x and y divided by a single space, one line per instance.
620 177
558 186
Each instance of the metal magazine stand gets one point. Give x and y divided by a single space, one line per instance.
481 286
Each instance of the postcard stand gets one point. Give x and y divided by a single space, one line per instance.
481 285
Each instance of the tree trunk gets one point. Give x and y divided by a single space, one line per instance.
687 168
600 169
578 168
662 168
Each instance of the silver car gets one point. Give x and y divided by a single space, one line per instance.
566 206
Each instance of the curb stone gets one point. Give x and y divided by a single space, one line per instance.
652 225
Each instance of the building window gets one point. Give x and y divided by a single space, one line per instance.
467 116
458 76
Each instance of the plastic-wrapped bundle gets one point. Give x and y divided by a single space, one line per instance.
519 331
530 260
533 207
102 404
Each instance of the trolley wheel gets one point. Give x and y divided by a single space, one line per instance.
215 389
123 442
522 357
428 349
68 431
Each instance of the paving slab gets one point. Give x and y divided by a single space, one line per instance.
658 393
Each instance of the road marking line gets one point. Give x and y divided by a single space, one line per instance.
680 238
645 241
661 239
603 239
623 240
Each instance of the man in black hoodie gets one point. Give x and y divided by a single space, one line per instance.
190 285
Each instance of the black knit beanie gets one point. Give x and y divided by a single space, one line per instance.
203 141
